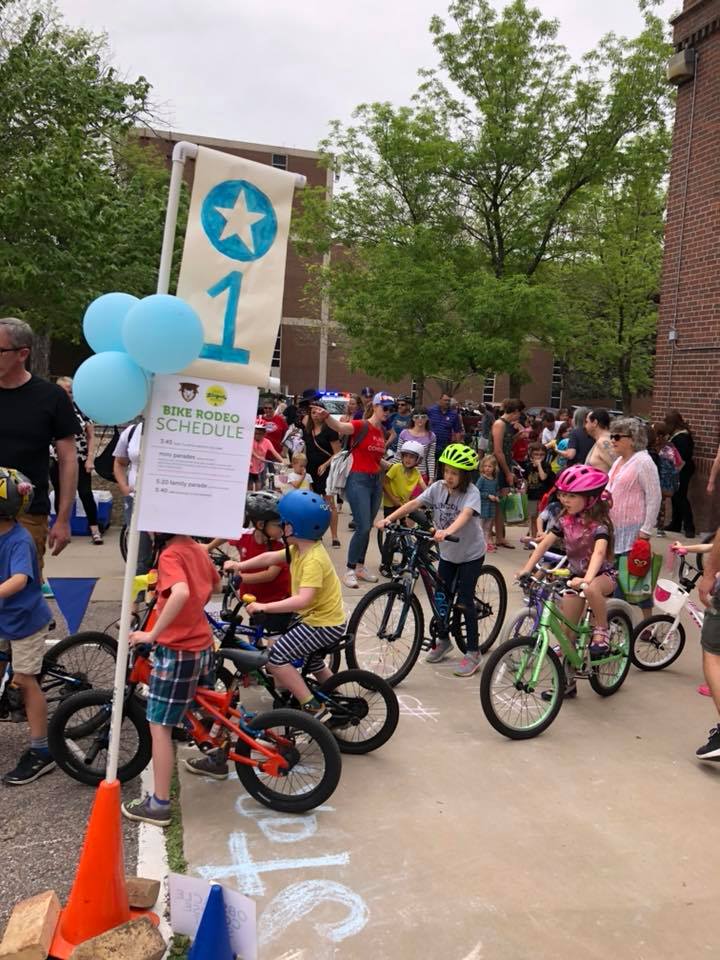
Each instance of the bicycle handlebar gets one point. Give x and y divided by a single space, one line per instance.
417 532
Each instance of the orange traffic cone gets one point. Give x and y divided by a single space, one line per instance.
98 899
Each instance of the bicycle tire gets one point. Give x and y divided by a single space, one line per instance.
636 651
373 683
487 574
66 751
556 679
598 674
97 669
123 542
398 670
523 624
291 720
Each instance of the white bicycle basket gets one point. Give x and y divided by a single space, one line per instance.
670 597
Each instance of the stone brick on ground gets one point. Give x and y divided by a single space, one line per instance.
142 893
31 927
135 940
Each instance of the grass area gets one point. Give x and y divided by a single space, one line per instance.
176 859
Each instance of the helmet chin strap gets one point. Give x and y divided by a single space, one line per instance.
287 545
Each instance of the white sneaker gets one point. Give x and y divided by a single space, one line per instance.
350 579
364 574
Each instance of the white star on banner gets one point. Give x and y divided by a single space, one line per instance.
239 220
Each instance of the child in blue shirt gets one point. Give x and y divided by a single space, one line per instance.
24 615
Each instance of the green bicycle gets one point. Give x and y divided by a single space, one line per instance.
524 681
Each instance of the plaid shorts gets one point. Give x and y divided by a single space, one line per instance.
176 675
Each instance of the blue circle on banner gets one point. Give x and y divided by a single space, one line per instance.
239 220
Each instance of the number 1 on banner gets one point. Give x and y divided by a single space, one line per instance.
226 351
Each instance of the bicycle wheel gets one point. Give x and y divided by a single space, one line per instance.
79 736
364 710
514 709
607 678
313 755
490 609
86 658
656 643
372 644
124 541
523 624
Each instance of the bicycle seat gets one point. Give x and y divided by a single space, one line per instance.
246 659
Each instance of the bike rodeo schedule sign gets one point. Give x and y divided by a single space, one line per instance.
198 440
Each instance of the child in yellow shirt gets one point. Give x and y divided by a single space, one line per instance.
402 482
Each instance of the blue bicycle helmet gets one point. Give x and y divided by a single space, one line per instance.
307 512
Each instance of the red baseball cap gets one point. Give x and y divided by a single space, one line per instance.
639 558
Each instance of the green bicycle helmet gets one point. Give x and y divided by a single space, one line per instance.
460 456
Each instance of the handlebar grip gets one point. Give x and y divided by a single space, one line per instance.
452 539
248 598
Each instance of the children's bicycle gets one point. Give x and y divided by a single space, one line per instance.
524 681
387 628
285 759
660 639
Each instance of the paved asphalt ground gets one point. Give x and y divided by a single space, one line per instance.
43 824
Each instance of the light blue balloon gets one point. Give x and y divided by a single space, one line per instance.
110 387
163 334
103 321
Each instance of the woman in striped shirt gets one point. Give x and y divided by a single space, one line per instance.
634 484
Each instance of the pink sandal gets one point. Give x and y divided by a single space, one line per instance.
704 690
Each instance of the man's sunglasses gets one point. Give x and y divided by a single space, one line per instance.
10 349
619 436
388 406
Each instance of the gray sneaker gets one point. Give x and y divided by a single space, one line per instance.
143 811
442 649
469 665
208 766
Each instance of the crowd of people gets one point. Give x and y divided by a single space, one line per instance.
601 485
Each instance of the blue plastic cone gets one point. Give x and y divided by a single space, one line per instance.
212 940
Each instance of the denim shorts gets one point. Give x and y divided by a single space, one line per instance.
176 675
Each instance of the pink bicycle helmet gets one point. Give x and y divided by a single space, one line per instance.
580 478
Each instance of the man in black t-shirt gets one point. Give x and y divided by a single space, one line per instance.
34 413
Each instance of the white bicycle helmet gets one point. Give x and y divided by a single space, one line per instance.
412 446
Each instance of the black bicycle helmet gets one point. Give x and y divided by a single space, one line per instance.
16 493
261 505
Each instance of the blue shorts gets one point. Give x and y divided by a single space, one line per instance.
176 675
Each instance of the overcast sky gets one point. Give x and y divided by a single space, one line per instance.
276 71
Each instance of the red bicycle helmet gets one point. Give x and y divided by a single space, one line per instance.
580 478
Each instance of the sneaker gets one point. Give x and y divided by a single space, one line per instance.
599 644
469 665
31 766
704 690
660 532
364 574
350 579
47 591
710 750
351 525
336 544
570 691
315 709
208 766
442 649
143 811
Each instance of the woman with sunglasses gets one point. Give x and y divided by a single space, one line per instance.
363 490
633 483
419 430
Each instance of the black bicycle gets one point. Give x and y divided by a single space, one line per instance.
387 628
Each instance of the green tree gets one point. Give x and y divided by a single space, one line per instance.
81 206
614 283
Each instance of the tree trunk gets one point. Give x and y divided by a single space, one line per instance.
419 389
515 385
40 356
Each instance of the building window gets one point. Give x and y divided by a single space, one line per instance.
489 389
556 387
279 160
277 351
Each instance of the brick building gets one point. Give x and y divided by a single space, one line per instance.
311 351
687 375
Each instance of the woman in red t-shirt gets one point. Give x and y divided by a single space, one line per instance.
363 490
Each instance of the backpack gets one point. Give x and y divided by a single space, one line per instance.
104 460
341 464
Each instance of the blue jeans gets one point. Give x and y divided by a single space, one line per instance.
467 577
363 491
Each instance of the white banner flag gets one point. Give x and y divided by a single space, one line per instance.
233 265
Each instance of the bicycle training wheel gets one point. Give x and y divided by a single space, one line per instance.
607 678
85 661
656 643
385 633
490 609
514 708
314 760
79 737
364 710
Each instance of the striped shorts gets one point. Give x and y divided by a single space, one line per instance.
302 642
176 675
